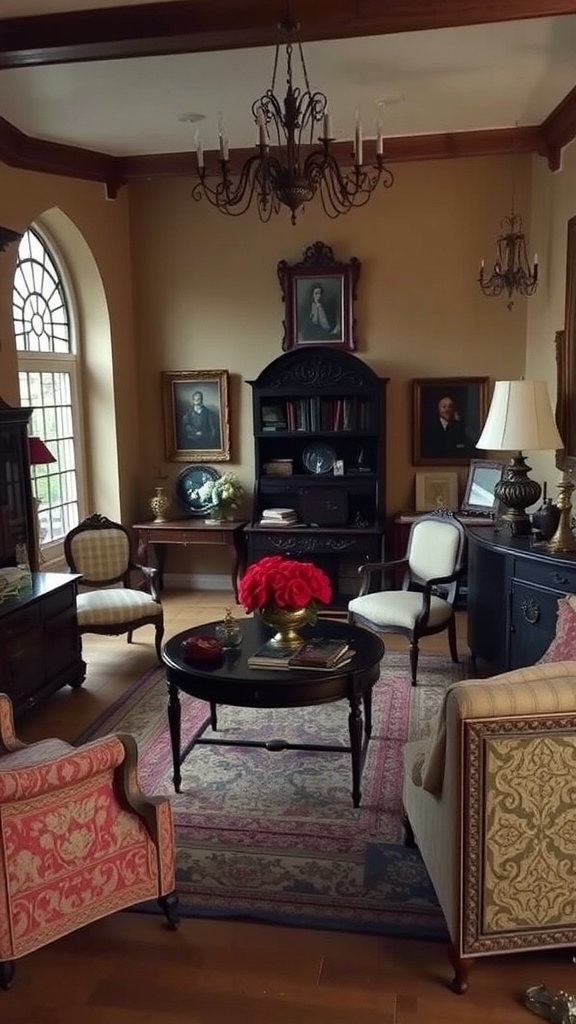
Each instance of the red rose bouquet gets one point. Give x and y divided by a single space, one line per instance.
283 582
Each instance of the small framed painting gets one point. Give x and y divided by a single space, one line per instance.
196 415
319 295
436 490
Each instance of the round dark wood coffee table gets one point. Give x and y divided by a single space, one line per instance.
231 681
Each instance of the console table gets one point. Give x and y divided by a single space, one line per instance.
513 589
190 532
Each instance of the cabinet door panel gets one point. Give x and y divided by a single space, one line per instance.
533 623
23 668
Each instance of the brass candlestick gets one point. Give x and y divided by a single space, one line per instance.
563 541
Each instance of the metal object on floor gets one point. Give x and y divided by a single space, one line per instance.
557 1007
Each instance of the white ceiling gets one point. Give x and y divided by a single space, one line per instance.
443 80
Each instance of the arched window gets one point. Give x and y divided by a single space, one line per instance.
47 371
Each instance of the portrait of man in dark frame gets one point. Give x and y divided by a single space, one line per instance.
448 418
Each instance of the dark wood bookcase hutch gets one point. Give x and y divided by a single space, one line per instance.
316 396
16 502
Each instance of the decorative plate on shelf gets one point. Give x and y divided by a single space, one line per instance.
188 484
319 458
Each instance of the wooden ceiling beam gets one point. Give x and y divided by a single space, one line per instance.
191 26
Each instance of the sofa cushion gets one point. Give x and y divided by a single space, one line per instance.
563 646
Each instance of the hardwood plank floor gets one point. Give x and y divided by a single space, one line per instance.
128 969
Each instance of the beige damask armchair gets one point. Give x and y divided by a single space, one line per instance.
489 800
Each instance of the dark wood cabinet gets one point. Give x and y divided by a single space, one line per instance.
16 503
513 589
40 648
319 419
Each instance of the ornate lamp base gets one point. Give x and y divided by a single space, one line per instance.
517 491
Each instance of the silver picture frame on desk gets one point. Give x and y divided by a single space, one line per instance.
479 498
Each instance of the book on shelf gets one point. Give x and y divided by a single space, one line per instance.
282 515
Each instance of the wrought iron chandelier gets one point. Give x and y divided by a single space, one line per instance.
512 271
290 169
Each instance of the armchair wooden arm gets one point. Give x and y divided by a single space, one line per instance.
368 568
9 741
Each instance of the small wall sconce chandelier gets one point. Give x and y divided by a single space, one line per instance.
512 271
290 167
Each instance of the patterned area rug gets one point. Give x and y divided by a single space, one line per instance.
274 835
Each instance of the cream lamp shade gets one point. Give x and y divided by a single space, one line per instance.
520 416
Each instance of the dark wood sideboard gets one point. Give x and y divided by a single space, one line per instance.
514 585
40 648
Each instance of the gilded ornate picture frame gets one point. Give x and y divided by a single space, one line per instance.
196 415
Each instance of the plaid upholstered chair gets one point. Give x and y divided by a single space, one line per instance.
78 839
101 551
489 801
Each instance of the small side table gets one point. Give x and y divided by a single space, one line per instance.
191 532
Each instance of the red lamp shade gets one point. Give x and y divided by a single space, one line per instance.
40 455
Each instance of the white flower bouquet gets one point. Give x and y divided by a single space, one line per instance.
224 493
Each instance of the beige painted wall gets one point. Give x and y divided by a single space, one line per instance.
553 203
187 288
207 295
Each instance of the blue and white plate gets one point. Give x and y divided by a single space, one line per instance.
188 484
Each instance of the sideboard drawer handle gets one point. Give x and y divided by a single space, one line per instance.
531 611
558 578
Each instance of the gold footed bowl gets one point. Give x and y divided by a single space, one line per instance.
287 622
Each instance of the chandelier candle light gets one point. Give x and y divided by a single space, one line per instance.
292 169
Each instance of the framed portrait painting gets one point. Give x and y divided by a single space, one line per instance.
448 414
319 295
196 415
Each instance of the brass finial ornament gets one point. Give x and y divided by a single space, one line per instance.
563 540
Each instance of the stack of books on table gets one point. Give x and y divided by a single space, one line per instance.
279 517
319 653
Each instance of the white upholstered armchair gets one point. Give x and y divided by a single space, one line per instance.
101 550
432 567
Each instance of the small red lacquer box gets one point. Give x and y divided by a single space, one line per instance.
201 648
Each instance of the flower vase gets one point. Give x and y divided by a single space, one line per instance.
287 622
219 514
159 503
215 516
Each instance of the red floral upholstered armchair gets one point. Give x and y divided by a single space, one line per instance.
78 839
